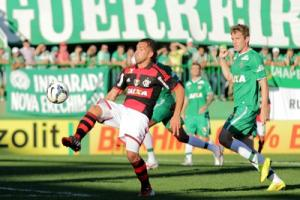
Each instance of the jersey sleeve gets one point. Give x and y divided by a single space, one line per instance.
121 83
166 79
258 67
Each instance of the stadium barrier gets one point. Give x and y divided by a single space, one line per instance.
43 137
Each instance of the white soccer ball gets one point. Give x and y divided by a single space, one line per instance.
57 92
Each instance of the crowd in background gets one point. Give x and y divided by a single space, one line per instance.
177 55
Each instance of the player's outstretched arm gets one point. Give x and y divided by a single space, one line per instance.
264 90
179 99
224 65
112 94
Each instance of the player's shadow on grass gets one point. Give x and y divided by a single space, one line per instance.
61 169
242 188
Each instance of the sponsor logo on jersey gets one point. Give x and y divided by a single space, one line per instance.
146 82
136 82
239 79
138 92
195 95
246 57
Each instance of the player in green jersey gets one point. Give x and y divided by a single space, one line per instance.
198 96
248 76
162 113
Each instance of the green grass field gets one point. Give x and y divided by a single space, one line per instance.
111 177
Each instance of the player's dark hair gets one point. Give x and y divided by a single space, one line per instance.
152 44
244 29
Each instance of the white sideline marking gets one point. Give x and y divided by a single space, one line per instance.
44 192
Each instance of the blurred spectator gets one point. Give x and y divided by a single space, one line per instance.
103 56
223 83
297 60
4 58
53 56
41 56
175 57
212 70
91 56
212 58
231 55
200 57
119 56
130 60
277 58
28 53
289 57
78 57
18 60
191 51
162 55
63 56
266 56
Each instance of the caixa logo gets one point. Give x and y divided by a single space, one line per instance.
37 137
19 80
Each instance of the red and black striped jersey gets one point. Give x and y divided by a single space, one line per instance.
144 86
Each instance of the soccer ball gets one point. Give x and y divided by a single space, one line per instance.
57 92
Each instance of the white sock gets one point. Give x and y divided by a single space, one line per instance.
188 152
196 142
149 146
242 149
274 178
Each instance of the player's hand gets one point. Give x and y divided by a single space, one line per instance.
175 124
223 53
203 109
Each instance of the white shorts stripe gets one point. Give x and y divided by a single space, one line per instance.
238 118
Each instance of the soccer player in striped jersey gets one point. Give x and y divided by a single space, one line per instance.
143 82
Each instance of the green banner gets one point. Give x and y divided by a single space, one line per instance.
272 22
283 77
26 90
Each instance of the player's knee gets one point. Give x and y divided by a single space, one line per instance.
132 157
96 110
224 138
182 137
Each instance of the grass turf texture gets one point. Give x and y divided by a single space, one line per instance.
111 177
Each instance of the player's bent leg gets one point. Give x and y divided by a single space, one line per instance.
139 166
151 162
85 125
182 136
99 112
225 138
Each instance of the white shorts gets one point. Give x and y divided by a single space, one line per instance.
261 128
132 124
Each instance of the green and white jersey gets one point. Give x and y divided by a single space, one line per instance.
196 92
247 69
